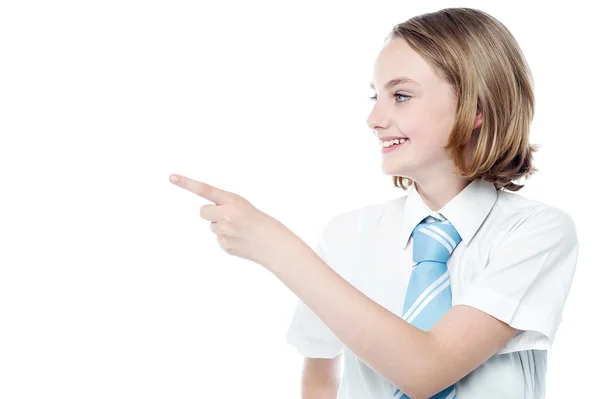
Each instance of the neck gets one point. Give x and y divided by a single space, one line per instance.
436 194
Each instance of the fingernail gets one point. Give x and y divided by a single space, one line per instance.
174 179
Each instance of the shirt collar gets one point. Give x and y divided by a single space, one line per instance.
466 211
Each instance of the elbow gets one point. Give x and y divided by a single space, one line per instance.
418 391
419 385
422 390
427 378
420 394
424 386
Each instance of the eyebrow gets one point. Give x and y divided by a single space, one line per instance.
396 81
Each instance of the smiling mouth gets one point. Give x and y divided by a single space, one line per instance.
393 146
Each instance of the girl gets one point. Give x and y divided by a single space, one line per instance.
454 98
456 289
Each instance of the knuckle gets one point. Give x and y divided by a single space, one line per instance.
238 199
231 214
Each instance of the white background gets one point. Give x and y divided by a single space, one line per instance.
112 286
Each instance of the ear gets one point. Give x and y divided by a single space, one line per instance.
478 120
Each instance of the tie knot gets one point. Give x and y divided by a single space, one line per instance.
434 241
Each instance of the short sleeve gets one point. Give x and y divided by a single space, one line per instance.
307 332
528 278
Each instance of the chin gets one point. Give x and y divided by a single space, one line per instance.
396 167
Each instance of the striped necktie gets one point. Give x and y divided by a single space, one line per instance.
429 295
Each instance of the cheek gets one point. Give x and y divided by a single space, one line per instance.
413 122
430 125
424 128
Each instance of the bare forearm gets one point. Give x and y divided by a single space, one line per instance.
321 378
318 391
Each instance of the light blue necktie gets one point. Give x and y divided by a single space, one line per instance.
428 295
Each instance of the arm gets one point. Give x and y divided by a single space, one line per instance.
405 355
321 377
422 363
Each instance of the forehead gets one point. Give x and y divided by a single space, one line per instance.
397 59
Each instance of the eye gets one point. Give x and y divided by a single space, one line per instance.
374 98
401 95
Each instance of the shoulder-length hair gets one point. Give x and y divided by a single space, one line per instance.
483 62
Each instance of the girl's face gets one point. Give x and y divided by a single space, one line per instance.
421 109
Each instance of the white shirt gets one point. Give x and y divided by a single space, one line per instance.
515 262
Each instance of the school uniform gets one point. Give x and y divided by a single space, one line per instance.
516 262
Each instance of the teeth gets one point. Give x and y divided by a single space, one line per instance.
386 144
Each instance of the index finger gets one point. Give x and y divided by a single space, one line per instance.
203 190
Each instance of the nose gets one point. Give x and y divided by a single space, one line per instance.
378 118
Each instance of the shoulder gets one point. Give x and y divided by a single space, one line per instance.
531 251
519 216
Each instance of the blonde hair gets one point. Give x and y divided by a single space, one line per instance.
483 62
